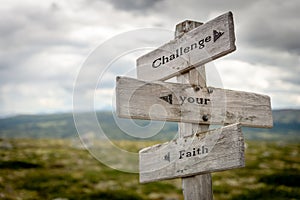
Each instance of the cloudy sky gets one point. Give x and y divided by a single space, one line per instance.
44 46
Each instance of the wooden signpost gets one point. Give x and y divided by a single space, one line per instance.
193 104
196 152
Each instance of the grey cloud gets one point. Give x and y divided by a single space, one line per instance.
267 33
261 24
28 27
285 63
266 56
276 27
25 32
293 79
134 5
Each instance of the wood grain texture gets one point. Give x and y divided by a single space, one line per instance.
196 53
198 186
216 150
142 100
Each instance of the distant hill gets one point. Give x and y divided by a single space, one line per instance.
286 127
63 126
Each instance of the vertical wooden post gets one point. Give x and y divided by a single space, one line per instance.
200 186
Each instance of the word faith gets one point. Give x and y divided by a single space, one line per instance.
194 152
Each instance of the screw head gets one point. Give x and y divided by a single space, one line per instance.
196 88
205 118
209 90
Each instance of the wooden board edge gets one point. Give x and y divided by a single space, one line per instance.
231 31
118 112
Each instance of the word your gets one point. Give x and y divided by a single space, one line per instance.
196 100
183 99
194 152
184 50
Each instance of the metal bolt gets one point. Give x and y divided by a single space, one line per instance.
209 90
196 88
205 118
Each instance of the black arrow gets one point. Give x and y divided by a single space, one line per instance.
167 98
217 35
167 157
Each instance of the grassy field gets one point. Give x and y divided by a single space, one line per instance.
54 169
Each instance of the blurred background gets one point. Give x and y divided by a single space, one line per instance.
44 46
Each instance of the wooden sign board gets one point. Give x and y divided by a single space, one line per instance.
216 150
196 47
185 103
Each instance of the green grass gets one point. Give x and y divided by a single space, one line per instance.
49 169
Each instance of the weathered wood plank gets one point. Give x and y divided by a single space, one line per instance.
185 103
205 43
216 150
198 186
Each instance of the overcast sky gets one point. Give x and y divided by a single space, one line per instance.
45 44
